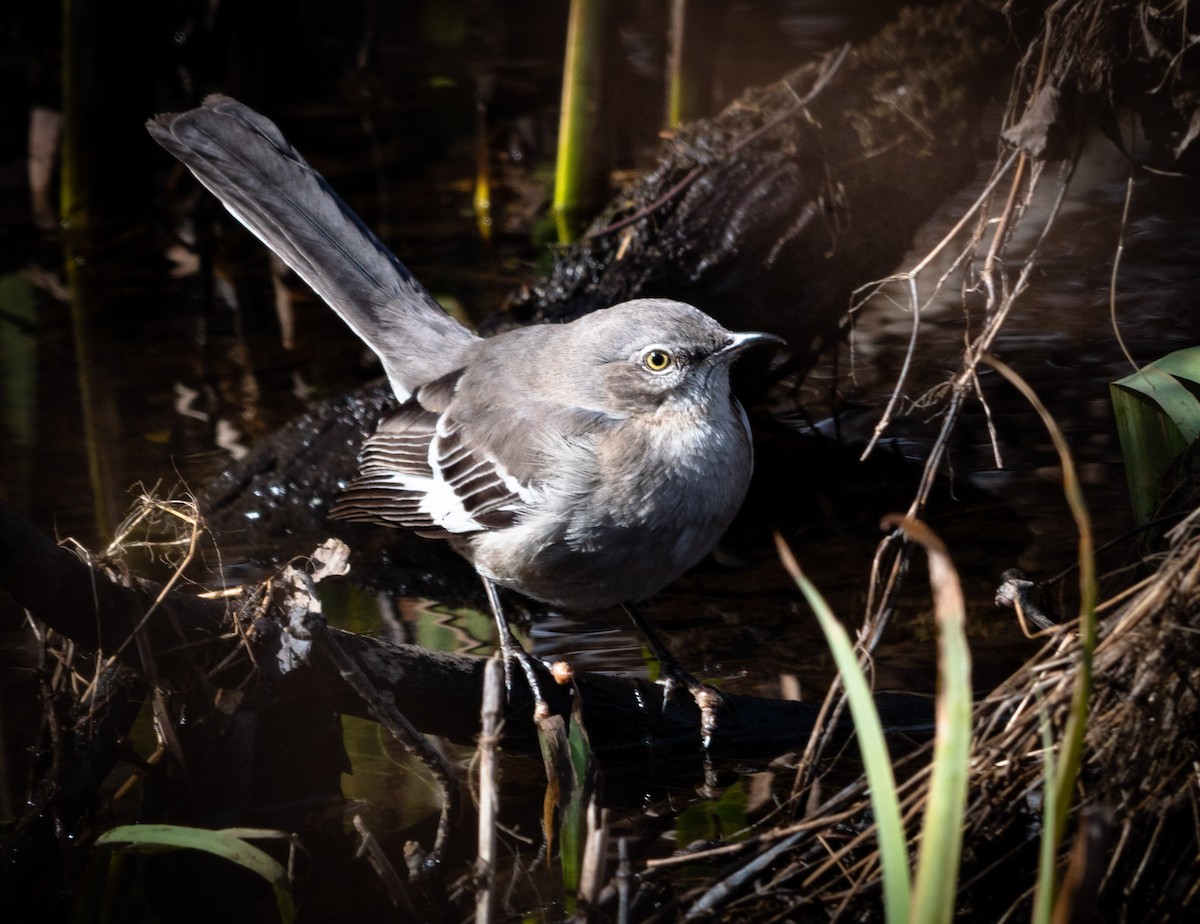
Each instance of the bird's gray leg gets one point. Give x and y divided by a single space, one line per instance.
707 697
512 651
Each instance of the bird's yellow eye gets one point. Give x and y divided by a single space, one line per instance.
657 360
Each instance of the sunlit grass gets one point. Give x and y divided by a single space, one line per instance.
936 881
893 843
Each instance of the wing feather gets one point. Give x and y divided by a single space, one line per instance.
420 470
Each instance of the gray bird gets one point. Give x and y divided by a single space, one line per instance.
585 465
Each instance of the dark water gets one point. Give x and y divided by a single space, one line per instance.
131 361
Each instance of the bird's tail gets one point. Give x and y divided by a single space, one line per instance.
244 160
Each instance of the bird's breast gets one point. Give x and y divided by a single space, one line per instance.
625 515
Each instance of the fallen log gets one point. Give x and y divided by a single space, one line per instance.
216 647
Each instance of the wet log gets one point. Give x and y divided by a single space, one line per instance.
192 644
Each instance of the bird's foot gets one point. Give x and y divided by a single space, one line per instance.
707 697
672 674
512 651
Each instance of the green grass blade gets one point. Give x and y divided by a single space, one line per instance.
1070 755
893 848
572 826
936 889
570 776
149 838
1043 897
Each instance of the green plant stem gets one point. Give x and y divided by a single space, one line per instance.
577 162
1071 747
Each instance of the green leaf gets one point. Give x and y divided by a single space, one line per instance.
154 838
573 821
1158 417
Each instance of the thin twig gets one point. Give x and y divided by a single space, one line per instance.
492 719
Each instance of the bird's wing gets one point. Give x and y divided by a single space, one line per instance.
421 470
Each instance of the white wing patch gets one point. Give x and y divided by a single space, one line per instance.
441 501
421 471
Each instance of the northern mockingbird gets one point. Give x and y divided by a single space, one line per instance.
585 465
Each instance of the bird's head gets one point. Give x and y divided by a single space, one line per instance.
651 353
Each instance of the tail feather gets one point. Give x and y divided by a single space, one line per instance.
244 160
